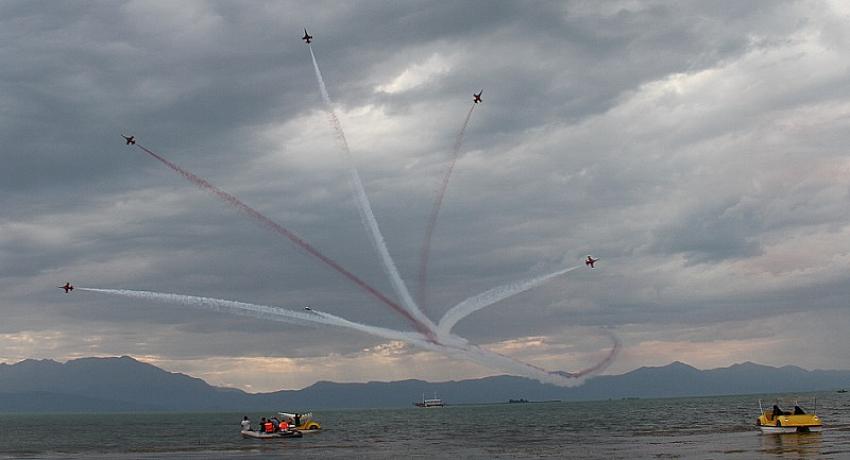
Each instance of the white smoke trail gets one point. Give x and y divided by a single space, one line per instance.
266 312
365 209
413 338
220 305
452 346
487 298
314 317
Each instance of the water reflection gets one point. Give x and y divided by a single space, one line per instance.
792 445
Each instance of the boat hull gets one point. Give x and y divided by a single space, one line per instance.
790 429
270 436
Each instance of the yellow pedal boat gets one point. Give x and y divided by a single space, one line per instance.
302 422
776 420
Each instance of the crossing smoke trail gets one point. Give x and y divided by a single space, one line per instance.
487 298
435 211
453 346
428 335
283 231
365 208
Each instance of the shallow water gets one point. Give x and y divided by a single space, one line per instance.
691 428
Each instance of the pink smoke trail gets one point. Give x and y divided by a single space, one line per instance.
435 211
283 231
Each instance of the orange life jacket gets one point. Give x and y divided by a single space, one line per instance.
284 426
269 427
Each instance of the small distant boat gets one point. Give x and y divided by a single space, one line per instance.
517 401
251 434
841 391
779 421
430 403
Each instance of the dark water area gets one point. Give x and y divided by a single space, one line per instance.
689 428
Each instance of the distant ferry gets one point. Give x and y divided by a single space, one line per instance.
429 403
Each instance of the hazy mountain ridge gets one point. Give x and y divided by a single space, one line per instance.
124 384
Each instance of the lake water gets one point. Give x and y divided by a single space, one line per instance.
689 428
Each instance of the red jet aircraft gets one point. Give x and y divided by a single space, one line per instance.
67 287
129 139
307 37
476 98
590 261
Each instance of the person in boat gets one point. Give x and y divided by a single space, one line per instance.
262 425
297 419
777 411
276 423
283 425
246 424
268 427
798 410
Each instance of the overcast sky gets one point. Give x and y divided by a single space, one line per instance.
698 148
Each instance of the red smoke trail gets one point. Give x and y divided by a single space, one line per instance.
435 211
609 358
598 367
283 231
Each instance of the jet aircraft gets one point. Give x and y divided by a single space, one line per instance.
476 98
67 287
129 139
307 37
590 261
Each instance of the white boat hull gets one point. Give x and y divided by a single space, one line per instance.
790 429
269 436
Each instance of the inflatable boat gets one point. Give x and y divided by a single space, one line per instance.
251 434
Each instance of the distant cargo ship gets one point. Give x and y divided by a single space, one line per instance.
429 403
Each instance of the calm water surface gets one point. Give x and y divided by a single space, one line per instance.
692 428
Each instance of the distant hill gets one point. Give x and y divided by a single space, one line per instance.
124 384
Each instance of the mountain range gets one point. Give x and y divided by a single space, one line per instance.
125 384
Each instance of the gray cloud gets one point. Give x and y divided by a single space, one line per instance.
697 148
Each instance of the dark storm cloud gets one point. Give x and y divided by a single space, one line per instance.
697 147
713 234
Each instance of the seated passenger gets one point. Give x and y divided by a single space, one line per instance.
798 410
246 424
776 411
